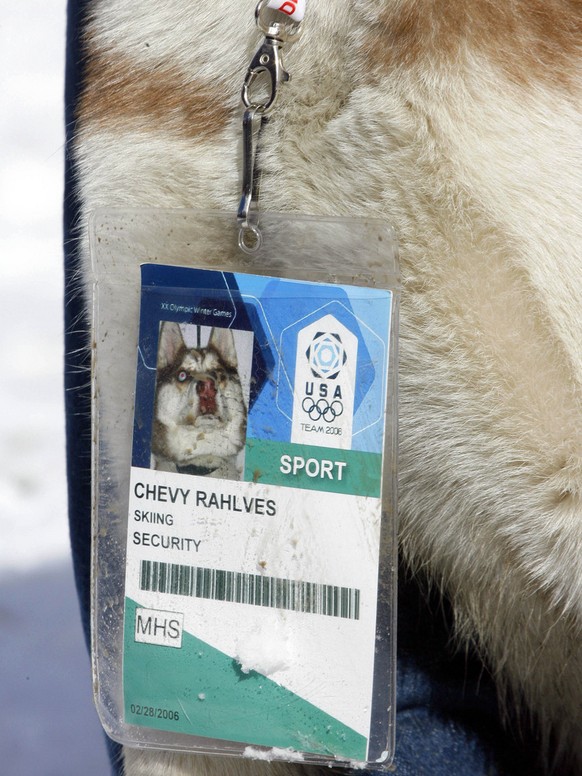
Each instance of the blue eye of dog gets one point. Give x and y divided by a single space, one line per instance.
182 376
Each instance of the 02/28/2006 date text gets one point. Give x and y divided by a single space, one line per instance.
153 712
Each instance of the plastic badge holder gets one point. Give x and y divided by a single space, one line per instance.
243 602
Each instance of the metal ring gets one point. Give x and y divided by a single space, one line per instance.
243 232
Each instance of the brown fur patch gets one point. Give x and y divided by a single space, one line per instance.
528 39
121 90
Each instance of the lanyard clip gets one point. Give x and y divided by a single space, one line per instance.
279 27
269 60
252 122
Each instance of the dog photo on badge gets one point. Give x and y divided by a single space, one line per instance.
200 410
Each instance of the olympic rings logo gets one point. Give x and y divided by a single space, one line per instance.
322 409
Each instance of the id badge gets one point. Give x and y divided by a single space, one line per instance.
244 469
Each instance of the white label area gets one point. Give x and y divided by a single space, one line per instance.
325 376
153 626
293 8
281 579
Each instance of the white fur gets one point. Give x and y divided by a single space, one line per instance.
482 177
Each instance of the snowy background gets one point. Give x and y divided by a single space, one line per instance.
48 725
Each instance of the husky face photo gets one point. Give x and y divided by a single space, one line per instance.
200 413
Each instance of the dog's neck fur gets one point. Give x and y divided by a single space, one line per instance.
461 123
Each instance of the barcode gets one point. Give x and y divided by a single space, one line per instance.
253 589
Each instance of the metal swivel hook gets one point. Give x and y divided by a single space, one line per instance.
267 60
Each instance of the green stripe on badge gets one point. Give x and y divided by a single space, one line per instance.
313 468
201 691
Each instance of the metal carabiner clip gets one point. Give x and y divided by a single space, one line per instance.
267 60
